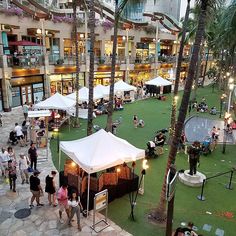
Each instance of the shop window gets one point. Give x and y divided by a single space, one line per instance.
16 100
38 91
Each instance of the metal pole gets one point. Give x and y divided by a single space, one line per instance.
59 164
88 195
58 141
224 142
221 106
229 102
228 186
127 55
201 197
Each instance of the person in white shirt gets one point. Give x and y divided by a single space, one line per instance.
19 134
25 109
23 167
75 206
4 158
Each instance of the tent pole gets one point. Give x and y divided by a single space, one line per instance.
59 159
88 195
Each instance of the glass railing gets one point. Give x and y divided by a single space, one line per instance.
24 61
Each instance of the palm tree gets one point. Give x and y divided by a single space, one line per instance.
119 7
75 39
91 67
177 76
159 214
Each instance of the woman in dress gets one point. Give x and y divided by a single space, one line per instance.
135 121
50 188
11 153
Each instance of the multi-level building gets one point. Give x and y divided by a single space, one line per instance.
37 53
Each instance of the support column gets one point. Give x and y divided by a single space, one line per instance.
156 51
127 55
6 85
61 47
46 62
86 48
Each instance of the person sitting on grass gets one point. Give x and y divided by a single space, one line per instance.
141 123
213 111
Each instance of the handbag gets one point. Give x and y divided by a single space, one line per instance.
30 169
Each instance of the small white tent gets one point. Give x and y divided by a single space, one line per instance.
121 86
84 95
158 81
99 151
57 101
101 89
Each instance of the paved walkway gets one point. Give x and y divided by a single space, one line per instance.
43 220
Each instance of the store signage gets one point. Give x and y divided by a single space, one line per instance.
100 203
171 181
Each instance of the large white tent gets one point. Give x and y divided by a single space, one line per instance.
121 86
158 81
84 95
98 152
101 89
56 101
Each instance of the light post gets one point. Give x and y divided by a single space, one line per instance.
226 120
231 88
156 51
223 96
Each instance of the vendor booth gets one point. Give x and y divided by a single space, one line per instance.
38 128
158 85
84 95
57 102
99 162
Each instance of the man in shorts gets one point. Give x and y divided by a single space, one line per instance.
35 189
19 134
62 197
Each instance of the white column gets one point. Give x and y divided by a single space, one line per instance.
127 55
46 61
156 51
86 48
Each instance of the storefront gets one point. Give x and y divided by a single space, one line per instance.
26 89
65 83
104 77
138 77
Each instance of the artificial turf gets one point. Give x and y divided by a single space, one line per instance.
219 200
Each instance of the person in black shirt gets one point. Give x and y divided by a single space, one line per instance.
32 152
35 189
50 188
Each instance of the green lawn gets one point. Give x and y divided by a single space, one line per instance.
219 200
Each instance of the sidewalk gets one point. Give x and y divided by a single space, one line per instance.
43 220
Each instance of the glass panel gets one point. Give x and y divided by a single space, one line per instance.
16 96
38 91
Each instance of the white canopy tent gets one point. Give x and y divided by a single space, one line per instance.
158 81
84 95
57 101
101 89
100 151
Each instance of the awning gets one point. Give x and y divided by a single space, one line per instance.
23 43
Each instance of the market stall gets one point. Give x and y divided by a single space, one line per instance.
98 152
38 128
57 102
158 85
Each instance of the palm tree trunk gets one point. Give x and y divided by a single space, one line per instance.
177 76
91 67
205 69
113 71
75 34
159 214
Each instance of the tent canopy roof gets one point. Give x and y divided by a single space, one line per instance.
100 151
84 94
158 81
57 101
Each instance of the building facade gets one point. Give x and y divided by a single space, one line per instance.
37 56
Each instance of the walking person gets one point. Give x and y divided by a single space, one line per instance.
19 134
33 156
50 188
25 109
12 174
62 197
75 208
35 189
23 167
11 153
25 131
4 158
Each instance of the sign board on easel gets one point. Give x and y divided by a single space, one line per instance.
100 203
170 185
